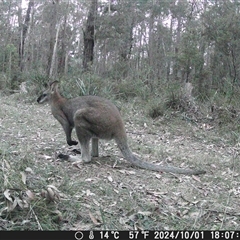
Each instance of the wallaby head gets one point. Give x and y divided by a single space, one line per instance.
46 96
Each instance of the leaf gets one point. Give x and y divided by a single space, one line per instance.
110 179
30 195
89 180
7 195
25 222
157 194
59 216
24 177
96 202
3 210
11 205
50 194
157 175
53 187
89 193
145 213
185 212
7 164
134 217
113 204
213 166
94 220
22 203
46 157
196 178
127 172
81 227
29 170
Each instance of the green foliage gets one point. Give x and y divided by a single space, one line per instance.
129 88
9 67
86 84
156 108
169 97
221 28
174 102
36 83
38 79
4 81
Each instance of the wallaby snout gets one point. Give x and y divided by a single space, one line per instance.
42 98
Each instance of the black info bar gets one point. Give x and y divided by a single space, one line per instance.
115 235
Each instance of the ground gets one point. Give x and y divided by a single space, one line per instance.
41 192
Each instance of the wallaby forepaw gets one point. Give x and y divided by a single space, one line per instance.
77 151
63 156
71 143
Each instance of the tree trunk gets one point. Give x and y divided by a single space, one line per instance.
53 16
88 37
151 39
170 58
176 49
54 52
201 76
63 44
24 29
66 63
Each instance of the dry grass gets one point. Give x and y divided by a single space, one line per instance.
108 193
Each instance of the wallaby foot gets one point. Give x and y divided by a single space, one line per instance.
76 159
71 143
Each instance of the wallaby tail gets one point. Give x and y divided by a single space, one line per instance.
127 153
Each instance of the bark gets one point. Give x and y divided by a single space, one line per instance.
52 29
24 30
54 53
176 49
63 47
88 37
169 60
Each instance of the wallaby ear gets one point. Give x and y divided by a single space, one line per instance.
53 86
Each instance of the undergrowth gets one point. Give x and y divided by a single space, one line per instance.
39 192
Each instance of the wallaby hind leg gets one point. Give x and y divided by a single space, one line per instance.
95 152
84 122
84 140
85 153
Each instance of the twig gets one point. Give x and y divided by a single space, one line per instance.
228 198
39 225
141 133
224 212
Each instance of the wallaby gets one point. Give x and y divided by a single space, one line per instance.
96 118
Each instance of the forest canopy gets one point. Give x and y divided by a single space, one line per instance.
149 42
